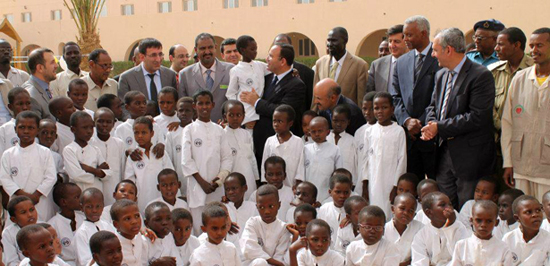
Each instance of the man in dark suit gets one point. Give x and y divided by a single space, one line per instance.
150 76
412 87
460 118
281 87
327 94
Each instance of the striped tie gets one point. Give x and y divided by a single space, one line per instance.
448 89
418 67
209 80
332 73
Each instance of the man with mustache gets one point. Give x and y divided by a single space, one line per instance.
73 57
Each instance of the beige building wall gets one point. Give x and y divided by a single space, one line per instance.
365 20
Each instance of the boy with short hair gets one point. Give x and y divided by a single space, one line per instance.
106 249
159 219
169 186
359 137
113 103
78 92
486 189
182 232
546 207
167 120
22 213
317 243
373 249
36 243
265 239
307 116
305 193
351 232
62 108
303 214
424 187
333 212
19 100
125 189
47 134
507 221
235 192
341 116
127 221
321 158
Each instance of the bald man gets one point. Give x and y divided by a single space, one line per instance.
179 57
327 94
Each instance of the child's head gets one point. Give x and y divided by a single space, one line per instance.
528 211
306 192
19 100
203 103
126 218
484 218
340 189
67 196
214 223
184 108
111 102
168 184
22 211
106 249
182 226
353 205
486 189
62 108
371 223
125 189
47 132
318 237
267 203
167 100
383 107
425 187
407 183
235 187
26 127
283 118
435 205
158 218
303 214
152 109
135 103
275 171
143 131
319 129
234 113
78 92
247 47
36 243
56 242
91 202
341 116
505 201
342 171
82 126
368 108
306 119
546 204
404 208
104 120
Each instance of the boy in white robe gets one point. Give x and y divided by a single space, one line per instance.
35 243
528 244
425 187
546 207
306 119
333 212
374 249
206 157
84 163
104 246
47 134
305 192
318 243
285 145
62 108
158 218
127 221
341 115
57 246
78 93
182 231
386 149
167 120
486 189
435 242
112 149
235 190
359 137
113 103
22 213
242 146
28 169
345 235
265 239
321 158
125 189
19 100
482 248
169 187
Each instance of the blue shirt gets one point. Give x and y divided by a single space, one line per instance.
476 56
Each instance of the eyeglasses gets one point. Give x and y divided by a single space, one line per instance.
480 38
156 55
378 228
106 66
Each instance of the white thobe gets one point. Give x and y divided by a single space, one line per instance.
348 151
320 161
12 254
307 139
185 251
361 155
74 155
404 241
82 239
231 238
248 209
475 251
534 252
208 254
16 76
106 214
179 203
125 132
134 251
545 225
163 121
333 216
466 211
114 153
330 258
64 137
173 148
503 228
162 247
344 237
286 196
8 137
65 234
56 262
292 151
383 253
246 76
244 160
435 246
264 241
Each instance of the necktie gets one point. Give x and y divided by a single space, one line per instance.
209 80
49 93
271 89
448 89
418 67
153 87
333 69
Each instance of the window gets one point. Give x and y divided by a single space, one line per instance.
26 17
9 17
259 3
165 7
230 3
306 1
56 14
306 47
103 12
337 0
189 5
127 10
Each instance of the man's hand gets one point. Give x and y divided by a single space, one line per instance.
215 182
249 97
158 150
35 197
413 126
429 131
135 155
173 126
509 177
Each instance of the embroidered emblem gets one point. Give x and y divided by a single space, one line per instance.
129 141
260 242
140 165
306 163
515 257
198 142
178 148
249 82
361 147
65 242
14 171
371 151
233 151
14 141
518 109
345 244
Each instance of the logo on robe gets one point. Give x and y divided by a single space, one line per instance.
260 242
65 242
371 151
233 151
361 147
518 109
249 82
129 141
178 148
14 141
140 165
306 163
515 257
198 142
14 171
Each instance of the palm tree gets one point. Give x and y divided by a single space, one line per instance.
86 15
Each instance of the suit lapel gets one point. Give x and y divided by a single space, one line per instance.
220 73
345 68
458 83
140 79
385 69
164 81
280 86
40 90
427 64
442 83
198 76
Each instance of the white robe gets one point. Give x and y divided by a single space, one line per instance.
163 121
74 155
435 246
82 239
383 253
306 140
333 216
30 169
286 195
348 151
404 241
386 150
62 226
534 252
475 251
134 251
320 161
244 160
231 238
179 203
330 258
361 155
64 137
173 148
344 237
264 241
208 254
8 137
125 132
60 166
56 262
106 214
246 211
292 151
205 151
185 251
114 153
12 255
117 123
503 228
545 225
162 247
145 173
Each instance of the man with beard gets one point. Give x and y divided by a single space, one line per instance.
16 76
73 57
42 65
98 80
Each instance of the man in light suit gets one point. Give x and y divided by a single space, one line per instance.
208 74
349 71
460 118
42 65
381 69
412 87
150 76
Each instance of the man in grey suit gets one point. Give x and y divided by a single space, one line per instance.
381 69
208 74
150 76
42 65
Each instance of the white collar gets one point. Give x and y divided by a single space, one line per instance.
213 67
145 72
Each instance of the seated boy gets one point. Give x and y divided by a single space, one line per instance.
546 207
36 243
507 222
22 213
333 212
125 189
106 249
345 235
486 189
407 183
318 242
169 186
305 192
235 190
182 232
159 219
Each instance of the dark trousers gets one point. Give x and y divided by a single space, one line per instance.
459 190
421 158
